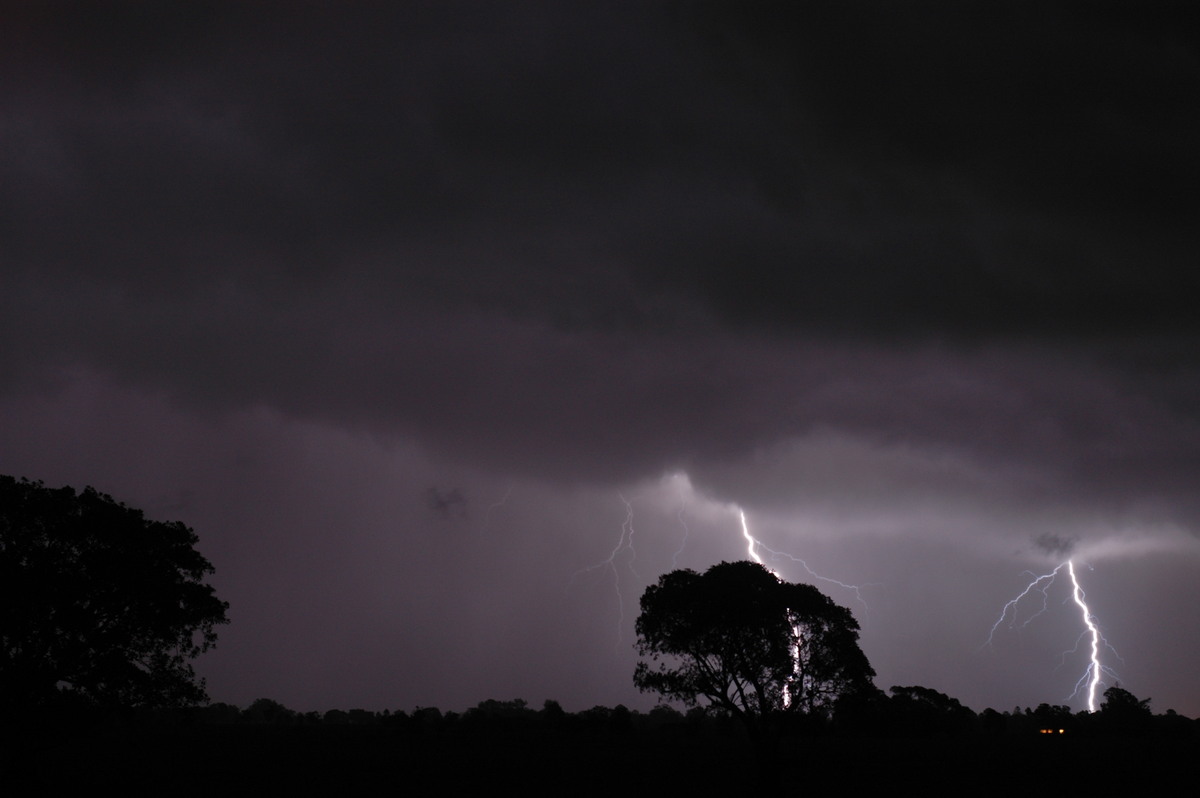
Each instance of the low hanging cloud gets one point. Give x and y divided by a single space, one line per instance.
1055 545
447 504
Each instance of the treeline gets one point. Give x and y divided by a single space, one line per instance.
906 711
914 736
921 711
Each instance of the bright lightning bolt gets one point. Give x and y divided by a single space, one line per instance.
1048 579
1094 666
752 548
1089 682
753 544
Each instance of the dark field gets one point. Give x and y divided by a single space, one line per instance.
136 757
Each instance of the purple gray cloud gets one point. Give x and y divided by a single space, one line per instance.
912 286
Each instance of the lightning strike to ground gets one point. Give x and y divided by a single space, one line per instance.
1094 667
1089 682
753 544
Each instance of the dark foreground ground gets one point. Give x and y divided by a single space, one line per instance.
135 759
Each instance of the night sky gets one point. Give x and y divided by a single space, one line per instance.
405 311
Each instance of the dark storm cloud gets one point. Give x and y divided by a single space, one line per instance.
865 169
612 239
1024 170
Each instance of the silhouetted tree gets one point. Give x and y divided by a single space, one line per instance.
665 715
97 604
1119 702
1122 712
992 723
220 712
922 710
749 643
335 717
1053 717
266 710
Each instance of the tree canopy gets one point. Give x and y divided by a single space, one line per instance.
748 642
97 603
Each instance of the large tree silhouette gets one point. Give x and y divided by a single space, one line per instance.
748 642
97 604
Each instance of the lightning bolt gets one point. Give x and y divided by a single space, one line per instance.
753 545
1092 675
623 555
1090 681
1036 584
624 543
